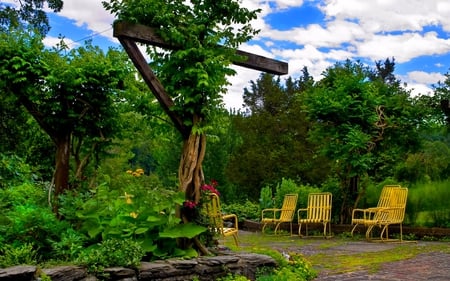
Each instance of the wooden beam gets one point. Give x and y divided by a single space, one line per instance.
147 35
153 83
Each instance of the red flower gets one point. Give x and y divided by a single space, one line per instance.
210 189
189 204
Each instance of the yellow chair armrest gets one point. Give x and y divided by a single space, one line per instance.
231 217
300 211
273 211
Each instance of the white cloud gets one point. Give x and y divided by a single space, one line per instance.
403 47
419 82
89 14
424 77
387 15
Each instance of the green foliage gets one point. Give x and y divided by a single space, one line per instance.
112 252
430 164
11 255
233 277
194 74
428 204
28 12
274 133
70 245
13 170
266 198
246 210
136 210
288 186
26 221
291 266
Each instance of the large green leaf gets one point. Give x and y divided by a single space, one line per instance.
188 230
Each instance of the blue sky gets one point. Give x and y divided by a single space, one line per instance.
312 33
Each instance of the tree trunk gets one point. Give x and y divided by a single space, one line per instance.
190 175
62 167
190 172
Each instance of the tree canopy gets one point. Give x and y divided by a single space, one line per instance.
28 13
70 95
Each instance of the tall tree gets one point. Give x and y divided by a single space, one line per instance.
28 13
362 117
274 136
194 73
70 95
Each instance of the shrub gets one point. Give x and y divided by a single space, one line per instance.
27 220
111 252
244 211
266 198
17 255
291 266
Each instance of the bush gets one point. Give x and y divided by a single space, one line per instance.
111 252
244 211
291 266
428 204
288 186
16 255
26 219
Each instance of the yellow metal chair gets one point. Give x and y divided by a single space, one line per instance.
273 216
390 215
318 211
361 216
217 219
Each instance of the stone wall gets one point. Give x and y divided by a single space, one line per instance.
203 268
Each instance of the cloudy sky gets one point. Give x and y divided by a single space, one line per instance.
312 33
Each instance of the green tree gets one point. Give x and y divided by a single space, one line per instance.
69 95
195 72
274 137
28 13
364 120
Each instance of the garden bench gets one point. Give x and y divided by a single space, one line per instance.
317 211
273 216
391 211
217 219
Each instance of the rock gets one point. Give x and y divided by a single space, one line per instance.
65 273
18 273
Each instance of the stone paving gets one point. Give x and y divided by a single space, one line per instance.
424 266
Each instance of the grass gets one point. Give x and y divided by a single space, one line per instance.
333 255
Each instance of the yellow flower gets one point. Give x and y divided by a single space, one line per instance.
133 214
128 198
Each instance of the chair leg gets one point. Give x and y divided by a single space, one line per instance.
300 229
277 228
401 233
353 229
369 232
235 237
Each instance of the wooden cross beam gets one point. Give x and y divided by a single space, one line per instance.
147 35
128 34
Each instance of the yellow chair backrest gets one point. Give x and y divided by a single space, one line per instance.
386 195
214 212
319 206
288 208
396 211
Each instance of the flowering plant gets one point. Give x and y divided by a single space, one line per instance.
205 190
196 212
